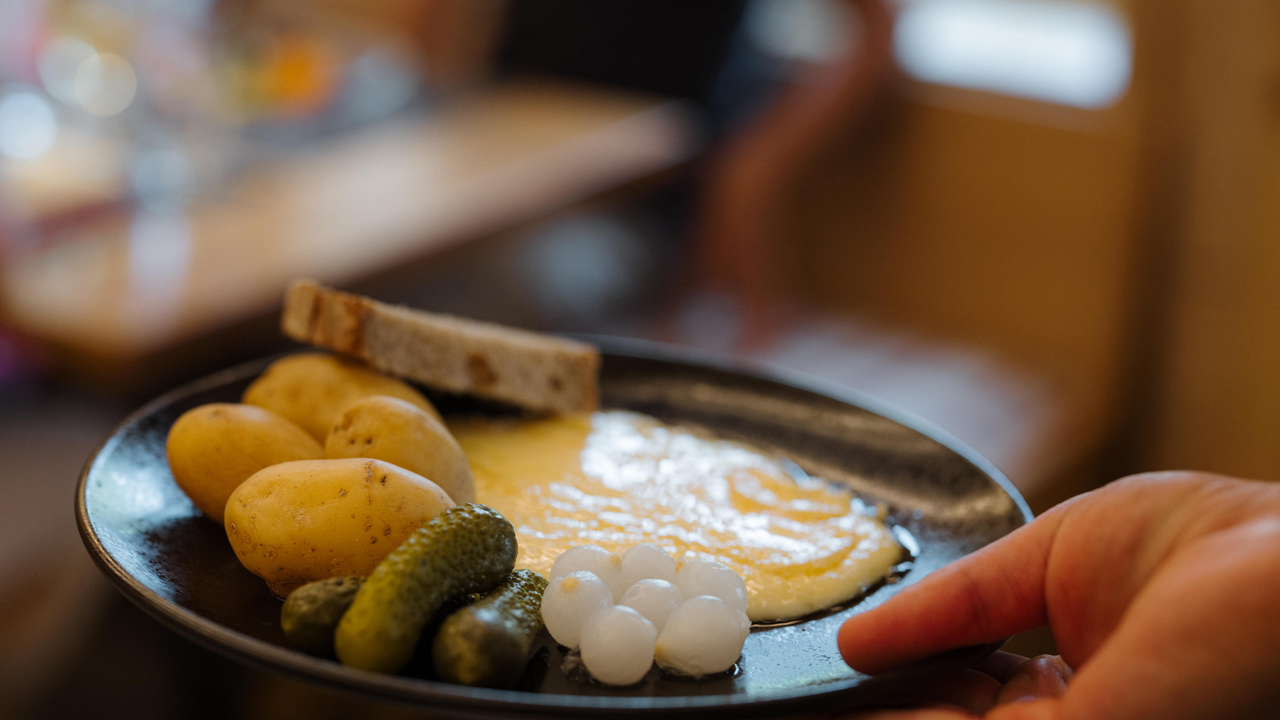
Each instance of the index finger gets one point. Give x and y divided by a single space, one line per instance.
989 595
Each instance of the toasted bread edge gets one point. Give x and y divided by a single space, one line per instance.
535 371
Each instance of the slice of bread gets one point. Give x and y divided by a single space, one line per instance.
528 369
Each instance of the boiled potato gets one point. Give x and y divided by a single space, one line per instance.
387 428
308 520
214 448
312 388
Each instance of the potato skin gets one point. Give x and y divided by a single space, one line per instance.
213 448
311 389
297 522
390 429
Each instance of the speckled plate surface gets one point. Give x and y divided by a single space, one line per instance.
177 565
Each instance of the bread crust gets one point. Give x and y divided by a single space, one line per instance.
531 370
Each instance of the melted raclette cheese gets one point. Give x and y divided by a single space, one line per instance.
616 479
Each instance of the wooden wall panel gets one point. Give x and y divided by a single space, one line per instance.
1009 234
1219 402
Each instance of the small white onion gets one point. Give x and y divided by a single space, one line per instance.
647 561
703 636
617 645
699 576
654 599
594 559
569 601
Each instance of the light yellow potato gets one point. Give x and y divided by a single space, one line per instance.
308 520
311 389
215 447
387 428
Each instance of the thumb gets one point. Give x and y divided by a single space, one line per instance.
991 594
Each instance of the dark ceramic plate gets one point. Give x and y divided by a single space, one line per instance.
161 553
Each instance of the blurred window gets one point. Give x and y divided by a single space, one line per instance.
1069 53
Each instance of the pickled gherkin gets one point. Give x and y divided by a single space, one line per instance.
466 549
311 613
489 642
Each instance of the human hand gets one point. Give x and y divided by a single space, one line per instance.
1162 592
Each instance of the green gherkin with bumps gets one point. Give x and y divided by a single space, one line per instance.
488 643
466 549
312 612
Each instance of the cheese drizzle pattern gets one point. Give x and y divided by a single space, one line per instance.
618 478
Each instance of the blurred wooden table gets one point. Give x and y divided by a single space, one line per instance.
366 203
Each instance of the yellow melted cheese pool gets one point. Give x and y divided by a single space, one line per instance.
616 479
